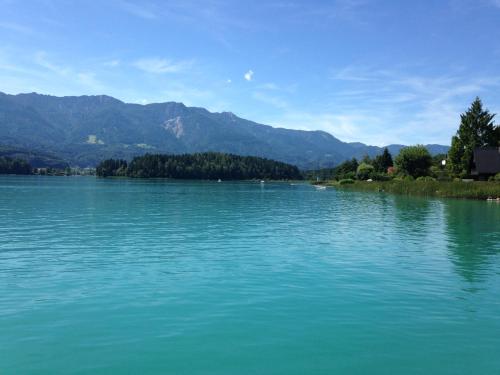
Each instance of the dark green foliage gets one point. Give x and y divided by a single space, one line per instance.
414 161
35 158
367 160
206 166
383 161
438 159
438 170
425 178
375 176
345 170
346 181
364 171
112 167
14 166
476 130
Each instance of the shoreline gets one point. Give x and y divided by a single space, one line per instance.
477 190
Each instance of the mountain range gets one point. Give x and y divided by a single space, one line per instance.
83 130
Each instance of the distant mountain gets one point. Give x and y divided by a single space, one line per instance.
84 130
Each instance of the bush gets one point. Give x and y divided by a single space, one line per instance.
404 178
347 176
425 178
497 177
364 171
346 181
414 161
381 177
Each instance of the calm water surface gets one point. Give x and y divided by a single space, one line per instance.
158 277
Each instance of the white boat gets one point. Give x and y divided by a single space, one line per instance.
219 180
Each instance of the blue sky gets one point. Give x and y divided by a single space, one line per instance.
373 71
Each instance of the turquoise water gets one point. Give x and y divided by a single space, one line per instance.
158 277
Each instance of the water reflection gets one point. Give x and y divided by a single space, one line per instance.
412 212
473 230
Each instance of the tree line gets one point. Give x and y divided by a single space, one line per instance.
476 130
206 166
10 165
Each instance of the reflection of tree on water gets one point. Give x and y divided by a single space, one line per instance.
473 230
416 218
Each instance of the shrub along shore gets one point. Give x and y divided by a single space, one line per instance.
442 189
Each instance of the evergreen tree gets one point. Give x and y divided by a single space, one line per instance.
383 161
476 130
366 159
14 166
208 166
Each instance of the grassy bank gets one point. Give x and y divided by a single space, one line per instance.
455 189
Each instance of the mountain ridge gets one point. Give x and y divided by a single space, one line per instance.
84 130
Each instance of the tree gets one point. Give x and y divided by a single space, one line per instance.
383 161
414 161
14 166
476 130
209 165
364 171
347 169
366 159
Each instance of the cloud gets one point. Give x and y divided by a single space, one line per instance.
228 81
348 127
248 75
42 60
162 66
405 107
80 78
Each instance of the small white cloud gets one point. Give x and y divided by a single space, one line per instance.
228 81
249 75
161 66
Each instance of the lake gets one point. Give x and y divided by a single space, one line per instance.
120 276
